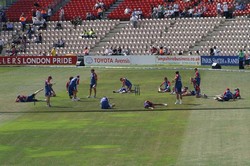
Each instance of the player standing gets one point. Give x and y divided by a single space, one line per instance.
197 77
48 90
72 90
178 87
93 83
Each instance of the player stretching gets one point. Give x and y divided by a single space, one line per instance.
151 105
73 88
105 104
93 83
126 84
48 90
30 98
178 87
165 86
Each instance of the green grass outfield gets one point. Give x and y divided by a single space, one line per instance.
198 132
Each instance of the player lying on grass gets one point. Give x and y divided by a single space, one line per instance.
151 105
105 104
165 86
30 98
228 95
186 92
126 86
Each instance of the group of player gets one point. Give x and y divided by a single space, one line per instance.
165 86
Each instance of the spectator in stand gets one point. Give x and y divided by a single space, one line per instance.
53 52
33 11
76 21
9 26
190 12
197 12
97 5
100 13
225 9
126 51
39 38
119 50
44 13
108 51
86 51
160 11
36 4
154 12
49 13
29 32
60 43
176 10
24 42
134 21
85 34
3 17
153 50
91 33
13 51
114 51
61 14
127 10
161 51
219 9
89 16
216 51
22 19
43 26
1 46
58 26
140 13
38 14
37 21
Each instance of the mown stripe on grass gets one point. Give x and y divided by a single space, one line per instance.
216 137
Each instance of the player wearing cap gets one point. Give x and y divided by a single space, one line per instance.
93 83
48 90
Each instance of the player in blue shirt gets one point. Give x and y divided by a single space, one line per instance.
73 88
126 84
93 83
150 105
105 104
30 98
48 90
227 95
165 86
178 87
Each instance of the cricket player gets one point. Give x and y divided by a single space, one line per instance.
150 105
105 104
48 90
72 90
126 84
165 86
93 83
227 95
30 98
178 87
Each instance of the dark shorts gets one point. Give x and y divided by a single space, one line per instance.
92 85
31 98
178 89
48 93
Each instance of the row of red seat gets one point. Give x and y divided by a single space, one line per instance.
80 8
25 6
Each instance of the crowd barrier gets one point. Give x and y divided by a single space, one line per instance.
120 60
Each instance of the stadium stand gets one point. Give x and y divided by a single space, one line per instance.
80 8
25 6
230 39
74 43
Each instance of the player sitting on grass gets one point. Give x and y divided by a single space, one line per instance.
105 104
227 95
126 86
236 94
151 105
186 92
165 86
30 98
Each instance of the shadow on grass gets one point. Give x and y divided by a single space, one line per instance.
50 110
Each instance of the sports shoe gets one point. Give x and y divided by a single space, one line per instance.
180 102
165 104
94 96
177 102
204 95
88 96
